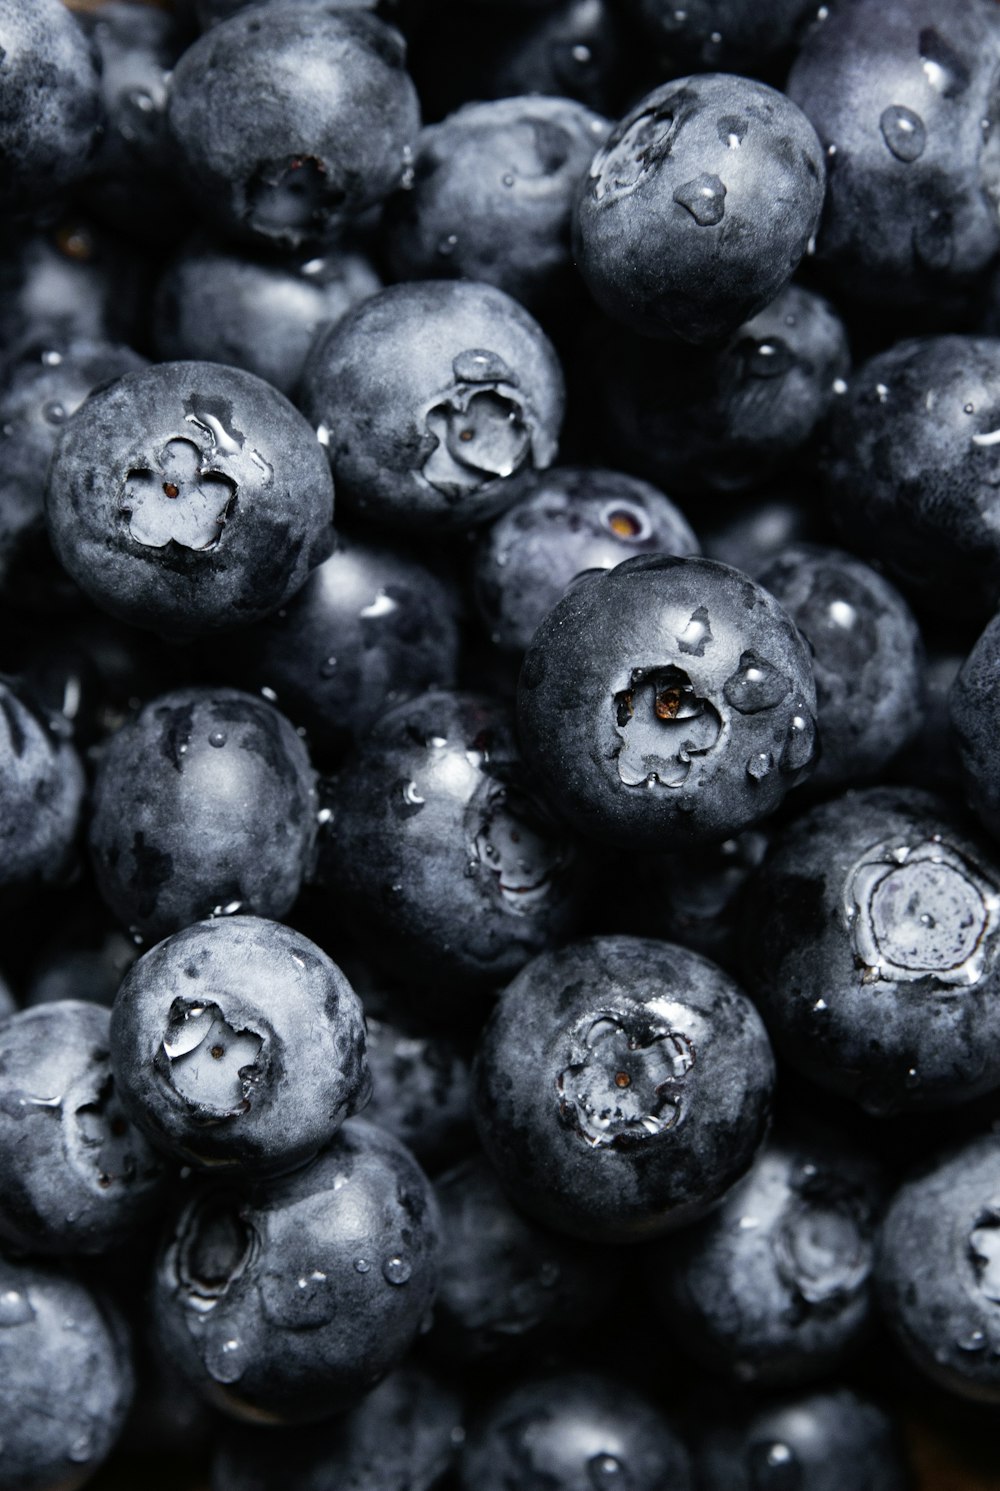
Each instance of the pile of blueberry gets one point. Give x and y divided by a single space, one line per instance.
503 992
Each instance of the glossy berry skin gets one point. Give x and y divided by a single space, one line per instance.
428 397
834 1440
666 703
75 1175
870 945
190 498
370 627
868 658
492 196
441 850
725 419
974 709
508 1287
569 519
42 392
238 1044
915 483
67 1377
205 803
573 1432
901 96
220 306
937 1270
420 1089
292 120
697 211
735 34
359 1225
51 106
774 1286
41 791
620 1087
401 1437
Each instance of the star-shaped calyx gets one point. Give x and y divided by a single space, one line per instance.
181 502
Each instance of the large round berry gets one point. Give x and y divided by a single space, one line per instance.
41 790
666 702
621 1086
699 208
188 498
238 1043
974 710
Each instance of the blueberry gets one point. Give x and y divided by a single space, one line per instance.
370 627
871 947
667 702
205 803
70 282
621 1086
238 1043
834 1440
285 1301
221 306
420 1088
492 196
91 973
575 1431
189 497
571 48
973 707
50 105
758 531
938 1269
912 468
75 1175
429 397
282 150
41 394
508 1287
442 852
401 1437
697 211
902 96
41 791
774 1286
725 419
868 658
67 1377
737 34
567 520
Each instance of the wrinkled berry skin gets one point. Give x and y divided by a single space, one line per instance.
188 498
870 945
401 1437
41 791
204 803
697 211
508 1287
774 1286
620 1087
915 482
868 659
441 849
737 34
937 1270
75 1175
41 394
238 1044
833 1440
902 96
570 519
50 105
573 1432
370 627
429 397
292 120
974 708
420 1090
725 419
359 1225
666 703
492 198
219 306
67 1388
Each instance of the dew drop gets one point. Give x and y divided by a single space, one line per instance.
81 1449
972 1341
217 739
54 412
448 245
328 667
605 1472
361 1265
396 1270
903 132
15 1308
704 196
